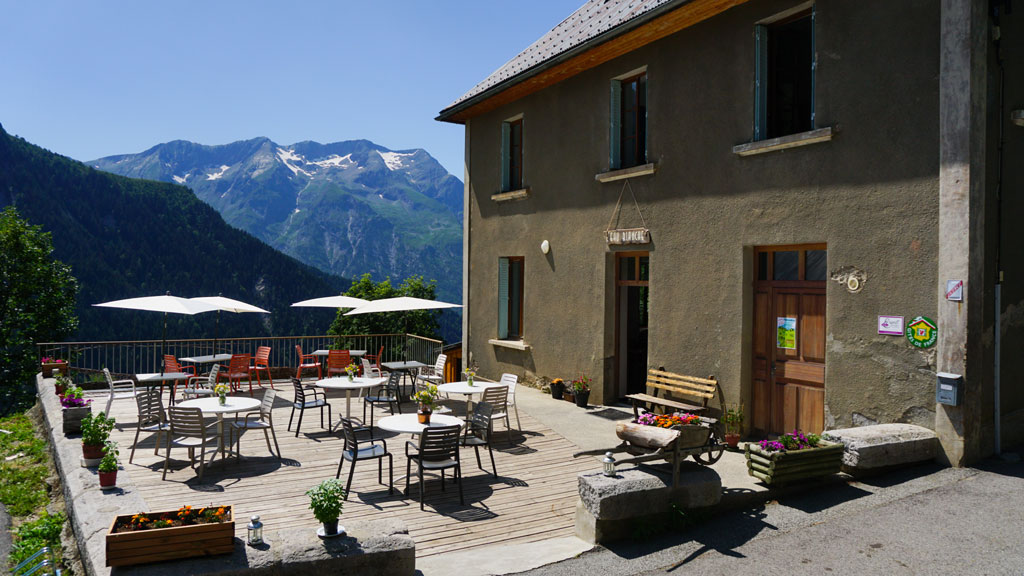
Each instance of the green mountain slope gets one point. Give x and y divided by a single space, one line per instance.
126 237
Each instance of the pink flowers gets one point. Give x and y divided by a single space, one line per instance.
48 360
795 440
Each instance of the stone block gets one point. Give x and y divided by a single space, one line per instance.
610 506
881 446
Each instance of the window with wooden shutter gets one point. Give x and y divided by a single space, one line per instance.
510 298
512 154
503 298
784 76
628 121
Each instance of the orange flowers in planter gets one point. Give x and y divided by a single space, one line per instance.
184 516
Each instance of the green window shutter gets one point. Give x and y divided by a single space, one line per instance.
615 131
760 82
506 137
502 298
814 64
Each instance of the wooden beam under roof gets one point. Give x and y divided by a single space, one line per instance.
679 19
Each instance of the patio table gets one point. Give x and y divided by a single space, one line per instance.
211 405
466 390
158 378
409 424
352 353
343 383
405 367
212 359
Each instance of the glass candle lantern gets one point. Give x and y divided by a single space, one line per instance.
609 464
255 529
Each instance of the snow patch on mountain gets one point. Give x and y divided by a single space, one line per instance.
394 160
181 179
217 175
289 156
335 160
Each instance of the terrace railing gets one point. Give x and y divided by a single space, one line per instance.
141 356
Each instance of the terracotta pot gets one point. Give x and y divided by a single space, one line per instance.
423 415
733 440
108 479
92 451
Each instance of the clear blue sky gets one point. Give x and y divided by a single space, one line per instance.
92 79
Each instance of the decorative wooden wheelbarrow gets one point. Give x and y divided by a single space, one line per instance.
648 444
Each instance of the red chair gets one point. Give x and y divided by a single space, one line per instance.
171 365
376 358
238 368
337 361
307 361
261 362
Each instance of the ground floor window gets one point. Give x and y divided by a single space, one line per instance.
510 298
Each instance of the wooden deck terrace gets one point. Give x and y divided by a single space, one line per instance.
532 499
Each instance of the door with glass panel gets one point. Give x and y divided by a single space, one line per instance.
632 279
789 338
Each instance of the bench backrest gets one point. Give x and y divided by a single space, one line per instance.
693 389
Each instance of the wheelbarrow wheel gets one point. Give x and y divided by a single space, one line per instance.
711 455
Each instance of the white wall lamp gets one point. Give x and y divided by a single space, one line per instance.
545 247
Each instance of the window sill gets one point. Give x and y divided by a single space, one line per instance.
783 142
613 175
521 194
515 344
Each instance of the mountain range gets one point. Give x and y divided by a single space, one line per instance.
345 208
126 237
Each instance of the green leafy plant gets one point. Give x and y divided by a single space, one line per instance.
109 461
31 536
427 396
326 500
581 384
96 429
733 419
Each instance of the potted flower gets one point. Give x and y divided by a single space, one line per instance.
182 533
693 431
352 370
557 387
73 408
470 374
326 500
221 390
108 465
96 430
49 365
61 383
426 398
581 391
794 456
733 420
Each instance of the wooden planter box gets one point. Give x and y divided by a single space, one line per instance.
785 467
160 544
49 368
72 418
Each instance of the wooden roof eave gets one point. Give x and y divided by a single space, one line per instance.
655 25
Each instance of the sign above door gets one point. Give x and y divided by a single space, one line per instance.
625 236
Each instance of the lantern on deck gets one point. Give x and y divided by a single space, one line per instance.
255 529
609 464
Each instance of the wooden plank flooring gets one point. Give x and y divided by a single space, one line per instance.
532 499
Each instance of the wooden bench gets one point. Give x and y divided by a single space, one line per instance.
700 390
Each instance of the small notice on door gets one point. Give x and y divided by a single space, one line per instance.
787 334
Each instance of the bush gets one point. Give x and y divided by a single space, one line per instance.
31 536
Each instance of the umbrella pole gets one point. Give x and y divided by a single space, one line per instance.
216 330
163 346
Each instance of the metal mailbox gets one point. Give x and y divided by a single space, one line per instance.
947 388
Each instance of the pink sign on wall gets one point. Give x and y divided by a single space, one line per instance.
890 325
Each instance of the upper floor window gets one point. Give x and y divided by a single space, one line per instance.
629 121
784 100
510 298
512 154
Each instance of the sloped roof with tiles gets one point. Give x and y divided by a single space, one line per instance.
592 23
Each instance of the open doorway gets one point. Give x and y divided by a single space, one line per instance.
632 279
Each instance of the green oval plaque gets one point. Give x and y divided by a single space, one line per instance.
922 332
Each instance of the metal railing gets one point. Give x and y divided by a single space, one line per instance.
143 356
45 566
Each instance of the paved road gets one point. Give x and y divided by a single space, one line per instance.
5 539
924 520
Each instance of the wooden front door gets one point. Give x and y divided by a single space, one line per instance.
632 284
789 339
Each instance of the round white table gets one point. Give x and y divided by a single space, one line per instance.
409 423
343 383
468 391
211 405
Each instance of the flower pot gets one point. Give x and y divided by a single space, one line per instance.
49 368
331 528
423 415
92 451
72 418
158 544
582 397
733 440
557 390
222 399
108 479
568 396
784 467
58 388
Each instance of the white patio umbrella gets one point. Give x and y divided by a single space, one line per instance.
166 304
228 305
401 304
339 301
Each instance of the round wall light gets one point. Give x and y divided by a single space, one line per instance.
545 247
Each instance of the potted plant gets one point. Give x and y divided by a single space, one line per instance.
733 420
108 465
693 431
557 387
221 390
470 375
73 408
49 365
581 391
96 430
352 370
182 533
61 383
794 456
326 500
426 398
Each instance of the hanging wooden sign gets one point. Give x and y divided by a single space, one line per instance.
628 236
